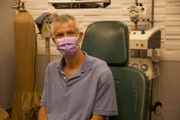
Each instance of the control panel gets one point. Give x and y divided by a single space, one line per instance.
145 39
146 65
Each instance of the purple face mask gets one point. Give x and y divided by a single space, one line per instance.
67 46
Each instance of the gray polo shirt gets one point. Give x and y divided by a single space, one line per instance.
88 91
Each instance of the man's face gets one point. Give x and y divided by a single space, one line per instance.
67 29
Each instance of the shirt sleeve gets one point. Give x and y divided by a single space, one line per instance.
105 102
44 94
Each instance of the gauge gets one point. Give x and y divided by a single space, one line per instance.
144 67
135 65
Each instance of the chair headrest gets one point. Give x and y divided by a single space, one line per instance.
109 41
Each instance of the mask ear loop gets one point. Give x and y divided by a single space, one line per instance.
78 35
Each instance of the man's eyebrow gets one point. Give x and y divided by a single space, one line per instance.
60 33
71 31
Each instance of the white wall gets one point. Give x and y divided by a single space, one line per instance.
166 89
167 16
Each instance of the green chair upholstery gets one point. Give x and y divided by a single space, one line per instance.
109 41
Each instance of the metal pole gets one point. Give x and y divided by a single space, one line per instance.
136 1
47 50
152 14
136 22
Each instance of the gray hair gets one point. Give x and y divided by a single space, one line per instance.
65 18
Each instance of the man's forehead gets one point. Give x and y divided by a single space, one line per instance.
65 23
66 26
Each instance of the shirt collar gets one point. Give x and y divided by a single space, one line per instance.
87 65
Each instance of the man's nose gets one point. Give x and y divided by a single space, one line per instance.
65 35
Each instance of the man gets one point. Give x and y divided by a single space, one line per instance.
79 86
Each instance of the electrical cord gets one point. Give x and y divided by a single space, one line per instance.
155 110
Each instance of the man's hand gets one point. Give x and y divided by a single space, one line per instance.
42 114
97 117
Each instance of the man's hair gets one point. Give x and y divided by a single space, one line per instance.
63 19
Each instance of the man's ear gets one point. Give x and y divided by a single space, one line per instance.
81 35
54 40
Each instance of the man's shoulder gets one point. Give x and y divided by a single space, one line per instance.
96 60
98 63
54 63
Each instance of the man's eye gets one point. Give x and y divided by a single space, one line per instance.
59 35
71 33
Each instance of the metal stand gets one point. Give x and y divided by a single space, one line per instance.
47 50
152 15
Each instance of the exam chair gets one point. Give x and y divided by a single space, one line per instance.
109 41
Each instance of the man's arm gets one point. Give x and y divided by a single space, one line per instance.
105 101
42 114
97 117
